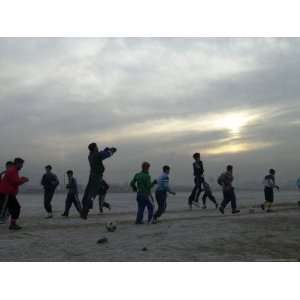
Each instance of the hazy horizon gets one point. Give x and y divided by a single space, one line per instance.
235 100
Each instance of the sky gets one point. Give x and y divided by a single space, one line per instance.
234 100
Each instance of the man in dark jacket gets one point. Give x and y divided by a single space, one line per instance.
198 180
97 169
72 196
226 180
49 182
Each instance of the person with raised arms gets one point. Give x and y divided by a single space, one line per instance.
97 169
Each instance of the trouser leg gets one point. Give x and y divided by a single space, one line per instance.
150 208
69 201
14 208
161 202
140 208
48 195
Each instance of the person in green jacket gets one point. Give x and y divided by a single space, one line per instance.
142 184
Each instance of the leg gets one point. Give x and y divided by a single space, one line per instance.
48 195
212 198
68 205
204 199
150 208
90 192
160 202
140 208
77 203
233 200
226 199
194 191
14 209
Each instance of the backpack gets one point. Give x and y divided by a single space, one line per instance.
220 180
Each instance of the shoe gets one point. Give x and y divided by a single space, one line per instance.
235 211
83 215
101 210
139 223
195 203
221 209
49 217
204 207
14 227
262 207
64 215
269 210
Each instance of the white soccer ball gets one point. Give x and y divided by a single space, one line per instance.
111 226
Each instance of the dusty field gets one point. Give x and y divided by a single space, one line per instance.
181 236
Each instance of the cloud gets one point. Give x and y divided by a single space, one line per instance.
161 98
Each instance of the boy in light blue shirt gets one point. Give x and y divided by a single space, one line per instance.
161 193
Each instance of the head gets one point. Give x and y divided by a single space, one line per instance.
19 162
197 156
229 168
48 169
69 173
272 171
145 166
8 164
93 147
166 169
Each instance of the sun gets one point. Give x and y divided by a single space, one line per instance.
235 121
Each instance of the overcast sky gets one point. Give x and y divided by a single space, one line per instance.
234 100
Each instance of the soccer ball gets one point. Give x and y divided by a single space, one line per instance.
111 226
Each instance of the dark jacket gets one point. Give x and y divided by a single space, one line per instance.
49 182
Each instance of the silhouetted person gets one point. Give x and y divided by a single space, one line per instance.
161 193
198 180
72 195
3 202
208 194
9 186
142 185
225 180
269 185
97 169
49 182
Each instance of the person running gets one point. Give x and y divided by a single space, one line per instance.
72 195
208 194
161 193
49 182
3 203
97 169
9 186
104 187
225 180
198 180
269 185
142 185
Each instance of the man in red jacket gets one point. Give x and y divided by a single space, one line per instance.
9 186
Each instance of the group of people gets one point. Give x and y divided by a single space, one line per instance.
10 180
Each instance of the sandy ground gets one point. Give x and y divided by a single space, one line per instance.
182 235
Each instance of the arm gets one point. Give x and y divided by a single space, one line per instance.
43 180
14 178
133 184
107 152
